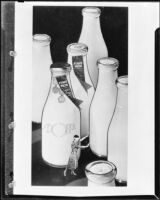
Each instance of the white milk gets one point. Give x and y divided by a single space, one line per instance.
103 105
60 122
118 131
41 61
101 173
77 50
91 35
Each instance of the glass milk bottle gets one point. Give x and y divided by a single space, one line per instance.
60 118
118 131
91 35
101 173
103 105
81 82
41 59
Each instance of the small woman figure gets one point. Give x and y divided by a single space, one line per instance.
75 153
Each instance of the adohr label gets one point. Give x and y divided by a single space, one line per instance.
64 86
78 67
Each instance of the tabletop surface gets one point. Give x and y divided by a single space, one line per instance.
45 175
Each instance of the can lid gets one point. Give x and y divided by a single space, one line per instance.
77 48
60 67
91 11
41 38
108 62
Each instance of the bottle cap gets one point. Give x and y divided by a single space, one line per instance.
60 67
101 171
108 63
42 39
122 81
77 48
91 11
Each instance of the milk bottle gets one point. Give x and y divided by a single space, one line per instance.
118 131
91 35
41 61
80 80
103 105
60 118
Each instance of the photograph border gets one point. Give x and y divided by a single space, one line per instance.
7 94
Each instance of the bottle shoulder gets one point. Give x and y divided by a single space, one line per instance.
94 40
103 99
55 104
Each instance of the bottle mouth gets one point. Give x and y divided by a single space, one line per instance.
60 67
122 81
108 63
101 171
77 48
42 38
91 11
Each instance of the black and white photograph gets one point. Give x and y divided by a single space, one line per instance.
81 81
79 96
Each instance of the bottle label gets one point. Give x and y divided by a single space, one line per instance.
64 86
78 67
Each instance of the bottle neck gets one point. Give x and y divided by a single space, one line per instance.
122 98
54 80
91 24
41 50
55 76
78 60
106 77
63 80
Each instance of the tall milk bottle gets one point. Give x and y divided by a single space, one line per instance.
81 82
118 131
91 35
60 118
103 105
41 61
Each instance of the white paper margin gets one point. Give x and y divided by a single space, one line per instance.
143 20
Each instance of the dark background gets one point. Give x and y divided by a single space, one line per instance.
64 25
